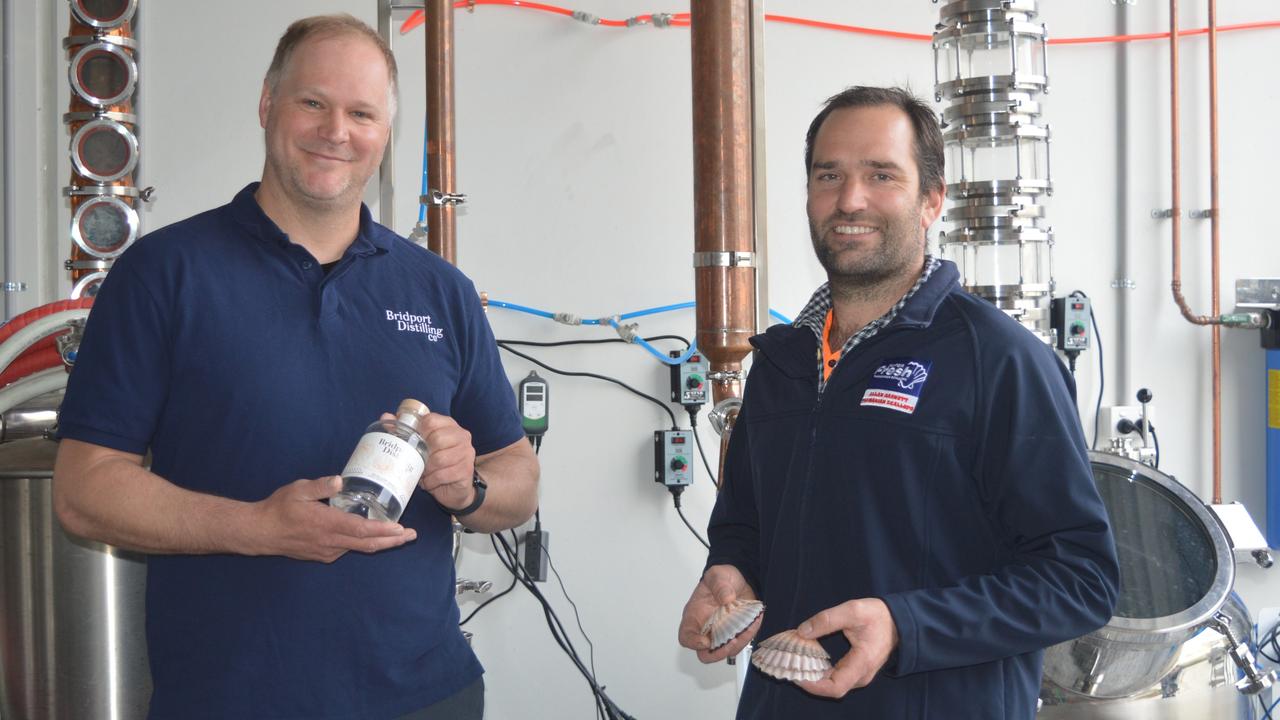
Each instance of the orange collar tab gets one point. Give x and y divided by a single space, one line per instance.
830 358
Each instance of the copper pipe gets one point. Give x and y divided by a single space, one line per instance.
731 419
722 186
1215 250
441 175
1214 212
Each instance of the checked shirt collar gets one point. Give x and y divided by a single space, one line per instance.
814 316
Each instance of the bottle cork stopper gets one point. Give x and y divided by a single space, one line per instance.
414 407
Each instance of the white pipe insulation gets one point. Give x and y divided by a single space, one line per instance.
14 346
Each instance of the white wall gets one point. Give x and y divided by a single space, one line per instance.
574 149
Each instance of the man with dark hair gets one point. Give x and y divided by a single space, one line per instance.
907 482
250 346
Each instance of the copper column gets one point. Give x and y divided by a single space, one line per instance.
441 175
724 230
1215 320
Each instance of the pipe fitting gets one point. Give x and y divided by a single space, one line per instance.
1245 320
723 415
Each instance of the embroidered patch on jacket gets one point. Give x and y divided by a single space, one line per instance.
896 384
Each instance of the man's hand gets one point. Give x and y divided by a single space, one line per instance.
295 523
451 462
869 628
720 585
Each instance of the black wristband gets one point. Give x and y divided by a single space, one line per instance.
480 486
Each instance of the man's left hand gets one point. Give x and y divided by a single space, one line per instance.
451 462
869 628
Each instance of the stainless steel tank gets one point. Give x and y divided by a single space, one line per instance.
72 643
1174 648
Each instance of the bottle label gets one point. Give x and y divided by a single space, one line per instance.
389 461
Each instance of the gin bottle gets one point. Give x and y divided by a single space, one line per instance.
385 466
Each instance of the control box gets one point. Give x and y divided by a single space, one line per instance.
689 379
533 401
673 457
1070 320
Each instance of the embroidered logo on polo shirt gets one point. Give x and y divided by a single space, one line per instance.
409 322
896 384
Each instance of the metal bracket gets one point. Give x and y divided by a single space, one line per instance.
12 286
1124 284
1258 293
69 343
724 259
463 585
435 197
1201 214
1162 214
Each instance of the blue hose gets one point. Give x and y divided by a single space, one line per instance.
666 360
422 209
522 308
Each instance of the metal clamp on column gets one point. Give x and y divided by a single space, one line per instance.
435 197
91 190
723 376
724 259
86 264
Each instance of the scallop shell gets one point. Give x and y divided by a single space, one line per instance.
787 656
729 620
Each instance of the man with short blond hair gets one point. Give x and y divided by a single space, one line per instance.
250 346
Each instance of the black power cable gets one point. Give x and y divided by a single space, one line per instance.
697 440
715 479
1269 638
484 604
506 346
508 557
676 491
562 343
1102 377
591 648
1156 439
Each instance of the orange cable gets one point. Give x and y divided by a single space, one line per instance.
418 17
846 28
1164 35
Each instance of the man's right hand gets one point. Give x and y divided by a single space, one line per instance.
720 585
294 522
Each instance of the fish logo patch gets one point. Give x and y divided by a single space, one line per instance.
896 384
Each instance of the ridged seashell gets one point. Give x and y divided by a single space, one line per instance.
787 656
729 620
918 375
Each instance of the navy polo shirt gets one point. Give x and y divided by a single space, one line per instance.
225 350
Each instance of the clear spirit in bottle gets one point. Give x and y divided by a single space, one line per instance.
385 466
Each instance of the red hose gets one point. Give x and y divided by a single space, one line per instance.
34 314
29 363
43 353
418 17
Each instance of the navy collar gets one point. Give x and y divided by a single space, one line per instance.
371 238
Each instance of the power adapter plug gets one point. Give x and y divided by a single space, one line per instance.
535 554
